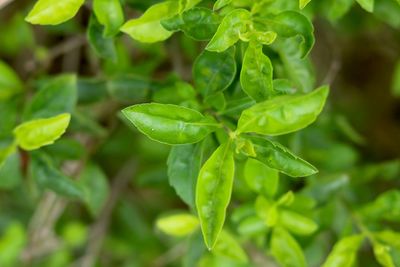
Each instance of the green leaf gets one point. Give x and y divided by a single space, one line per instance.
286 250
220 4
49 12
169 124
278 157
389 237
292 23
368 5
267 210
261 178
10 171
283 114
213 192
256 73
303 3
57 96
214 72
229 247
382 255
10 84
184 164
41 132
178 224
48 176
384 207
147 28
299 71
109 13
198 23
296 223
95 185
228 33
344 252
12 242
103 46
128 88
6 149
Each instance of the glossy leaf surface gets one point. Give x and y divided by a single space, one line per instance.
280 158
283 114
169 124
228 33
256 73
213 192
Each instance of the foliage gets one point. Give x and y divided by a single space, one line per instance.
196 128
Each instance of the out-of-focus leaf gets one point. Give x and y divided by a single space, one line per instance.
396 80
386 207
344 252
103 46
382 255
57 96
178 224
10 83
95 185
48 176
109 13
303 3
297 223
49 12
41 132
221 3
286 250
128 88
12 242
368 5
229 247
10 172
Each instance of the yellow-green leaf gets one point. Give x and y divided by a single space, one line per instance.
178 224
147 28
50 12
40 132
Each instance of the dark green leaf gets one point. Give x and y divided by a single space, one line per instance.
198 23
214 72
57 96
103 46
